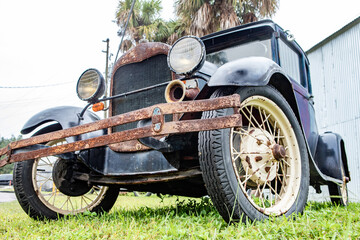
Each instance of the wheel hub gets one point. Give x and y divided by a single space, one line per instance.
64 181
260 155
278 151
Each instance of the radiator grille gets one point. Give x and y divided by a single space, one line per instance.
134 76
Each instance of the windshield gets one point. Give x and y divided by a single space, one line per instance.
261 48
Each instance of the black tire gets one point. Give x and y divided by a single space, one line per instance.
240 194
40 204
339 192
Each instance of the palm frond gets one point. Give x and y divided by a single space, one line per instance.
228 17
150 11
202 22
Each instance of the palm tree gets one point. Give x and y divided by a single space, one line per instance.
201 17
145 22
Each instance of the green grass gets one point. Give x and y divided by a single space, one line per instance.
180 218
6 189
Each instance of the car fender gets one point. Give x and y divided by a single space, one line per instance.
251 71
330 155
66 117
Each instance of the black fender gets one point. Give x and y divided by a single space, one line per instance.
45 129
65 117
330 155
251 71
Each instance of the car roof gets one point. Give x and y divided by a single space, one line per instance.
262 23
266 25
6 176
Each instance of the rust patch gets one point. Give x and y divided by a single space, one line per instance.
141 52
247 159
129 146
191 93
144 178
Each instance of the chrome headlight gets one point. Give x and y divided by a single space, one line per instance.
91 85
186 55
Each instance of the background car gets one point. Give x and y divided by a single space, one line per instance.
6 179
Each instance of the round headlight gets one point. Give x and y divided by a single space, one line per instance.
186 55
91 85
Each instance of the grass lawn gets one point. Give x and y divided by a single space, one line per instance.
180 218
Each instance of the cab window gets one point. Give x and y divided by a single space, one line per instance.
260 48
289 61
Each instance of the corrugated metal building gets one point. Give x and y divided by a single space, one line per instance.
335 75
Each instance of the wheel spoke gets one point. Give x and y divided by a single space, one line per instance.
87 198
83 197
235 152
250 122
55 194
96 190
252 117
67 199
248 177
42 176
272 189
246 133
71 204
286 162
52 194
244 114
44 182
262 119
262 195
46 160
267 122
275 123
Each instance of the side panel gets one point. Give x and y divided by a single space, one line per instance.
307 116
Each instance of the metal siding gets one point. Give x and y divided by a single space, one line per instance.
335 73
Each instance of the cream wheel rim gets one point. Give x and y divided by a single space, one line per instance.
52 198
266 157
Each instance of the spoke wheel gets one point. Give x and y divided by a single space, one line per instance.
51 196
266 157
40 198
260 169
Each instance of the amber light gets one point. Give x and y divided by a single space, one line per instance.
98 107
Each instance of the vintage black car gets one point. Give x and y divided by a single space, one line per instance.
239 126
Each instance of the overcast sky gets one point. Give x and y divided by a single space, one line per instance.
45 42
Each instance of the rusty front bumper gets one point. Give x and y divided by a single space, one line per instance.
158 127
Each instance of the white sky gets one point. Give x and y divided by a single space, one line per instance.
50 42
